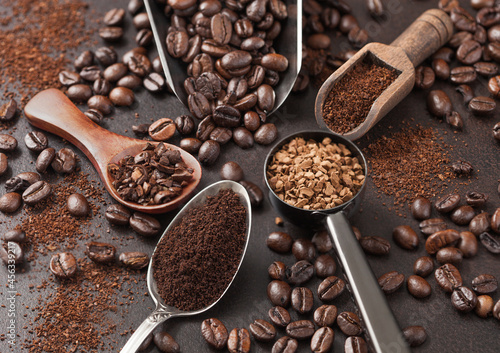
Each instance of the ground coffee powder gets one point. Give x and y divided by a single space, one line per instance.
352 97
196 260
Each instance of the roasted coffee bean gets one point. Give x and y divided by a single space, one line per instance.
302 300
279 293
15 235
466 92
462 168
79 93
355 344
166 343
141 20
77 205
8 143
418 287
484 284
227 116
133 52
95 115
421 208
130 81
347 22
239 341
191 145
467 244
232 171
375 245
462 19
134 6
496 310
100 103
101 86
423 266
154 82
37 192
462 215
162 129
463 74
117 214
236 60
16 184
448 277
424 77
4 163
491 242
405 237
494 86
279 316
277 270
300 272
36 141
431 226
144 224
484 306
86 58
63 265
100 252
454 120
480 223
449 255
495 221
8 110
115 72
322 241
486 69
139 65
255 76
69 78
438 103
330 288
463 299
488 16
266 134
10 202
205 128
11 253
184 124
105 56
482 105
209 152
144 37
262 331
91 73
114 17
349 323
391 281
134 260
122 96
285 345
447 203
275 62
325 266
210 7
111 34
265 98
441 69
64 161
301 330
325 315
414 335
469 52
198 105
322 340
30 177
303 249
441 239
444 53
221 28
243 138
214 332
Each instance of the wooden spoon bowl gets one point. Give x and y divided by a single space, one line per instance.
52 111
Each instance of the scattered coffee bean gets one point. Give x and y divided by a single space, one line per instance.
414 335
438 103
301 330
418 287
432 225
255 193
280 242
302 300
463 299
491 242
141 129
285 345
447 203
262 331
277 270
330 288
100 252
130 81
134 260
64 161
36 141
303 249
482 105
166 343
375 245
78 206
424 77
484 306
111 34
462 168
16 184
495 221
239 341
96 116
355 344
391 281
441 239
44 159
448 277
8 110
11 253
484 284
122 96
184 124
209 152
496 310
300 272
322 241
325 266
30 177
4 163
468 244
8 143
449 255
279 316
114 17
405 237
349 323
117 214
15 235
214 332
63 265
454 119
480 223
144 224
279 293
325 315
423 266
162 129
154 82
266 134
232 171
462 215
100 103
496 131
322 340
190 144
421 208
10 202
37 192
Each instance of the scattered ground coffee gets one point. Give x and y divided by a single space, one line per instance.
352 97
196 260
315 175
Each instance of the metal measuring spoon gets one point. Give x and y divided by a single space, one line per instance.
288 43
162 311
382 329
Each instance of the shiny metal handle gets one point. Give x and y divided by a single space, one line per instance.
158 316
382 329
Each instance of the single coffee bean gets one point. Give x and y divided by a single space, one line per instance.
330 288
441 68
355 344
191 145
131 53
130 81
495 221
134 6
349 323
462 215
184 124
251 121
232 171
448 277
438 103
496 310
322 340
467 244
447 203
262 330
285 345
227 116
134 260
494 86
325 266
101 86
141 129
144 224
463 74
162 129
279 316
111 34
266 134
139 64
64 161
30 177
302 300
95 115
449 255
154 82
214 332
423 266
106 56
69 78
4 163
10 202
15 235
16 184
405 237
222 135
375 245
114 72
484 306
421 208
243 138
275 62
462 168
144 37
254 192
100 252
476 199
325 315
491 242
79 93
277 270
322 241
418 287
484 284
454 119
303 249
78 206
482 105
90 73
118 214
463 299
414 335
391 281
114 17
301 330
205 128
424 77
166 343
480 224
209 152
37 192
8 143
441 239
279 293
486 68
100 103
11 253
300 272
469 52
86 58
63 265
122 96
239 341
8 110
466 92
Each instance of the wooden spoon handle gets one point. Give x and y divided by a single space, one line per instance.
428 33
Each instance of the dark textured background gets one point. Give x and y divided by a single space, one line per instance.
448 330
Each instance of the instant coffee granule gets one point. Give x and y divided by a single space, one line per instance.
197 259
315 175
352 97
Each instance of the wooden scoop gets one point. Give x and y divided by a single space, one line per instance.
52 111
428 33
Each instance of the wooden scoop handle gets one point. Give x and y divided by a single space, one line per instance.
428 33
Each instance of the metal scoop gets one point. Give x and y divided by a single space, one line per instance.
289 44
382 329
162 311
427 34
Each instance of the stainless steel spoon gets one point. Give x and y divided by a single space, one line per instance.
162 311
289 44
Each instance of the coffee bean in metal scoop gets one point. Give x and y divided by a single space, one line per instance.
231 171
355 344
405 237
375 245
100 252
330 288
78 205
349 323
262 330
279 316
254 192
8 110
325 315
279 293
285 345
134 260
391 281
63 265
448 277
463 299
8 143
10 202
166 343
418 287
214 332
491 242
239 341
322 340
300 272
37 192
144 224
414 335
421 208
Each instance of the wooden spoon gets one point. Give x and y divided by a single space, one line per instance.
52 111
428 33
